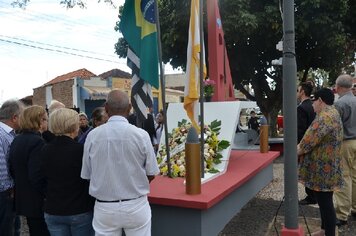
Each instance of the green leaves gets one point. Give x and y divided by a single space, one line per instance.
217 159
213 171
213 147
215 126
181 123
223 144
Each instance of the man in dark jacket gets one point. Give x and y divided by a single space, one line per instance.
305 116
253 122
148 124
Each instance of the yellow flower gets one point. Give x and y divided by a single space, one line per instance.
213 141
164 170
175 170
177 161
209 163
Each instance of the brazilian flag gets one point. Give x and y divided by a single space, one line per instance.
138 25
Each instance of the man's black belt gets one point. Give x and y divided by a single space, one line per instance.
122 200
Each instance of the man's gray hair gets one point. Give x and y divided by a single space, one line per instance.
344 81
10 108
55 105
117 101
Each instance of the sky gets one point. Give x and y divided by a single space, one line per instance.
37 44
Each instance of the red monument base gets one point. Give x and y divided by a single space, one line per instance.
176 213
292 232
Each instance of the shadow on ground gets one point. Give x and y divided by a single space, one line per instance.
257 219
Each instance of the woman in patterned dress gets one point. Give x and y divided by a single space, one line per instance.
320 155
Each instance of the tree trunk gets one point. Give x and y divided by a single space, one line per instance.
272 121
305 74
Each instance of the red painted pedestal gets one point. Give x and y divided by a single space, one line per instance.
292 232
176 213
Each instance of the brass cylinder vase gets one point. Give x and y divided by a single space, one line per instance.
192 164
264 138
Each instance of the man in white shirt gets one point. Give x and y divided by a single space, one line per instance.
9 122
119 161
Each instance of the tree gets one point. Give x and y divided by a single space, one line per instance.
252 30
325 40
67 3
322 40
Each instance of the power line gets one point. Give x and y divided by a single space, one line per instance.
59 51
67 28
56 46
31 15
43 15
50 19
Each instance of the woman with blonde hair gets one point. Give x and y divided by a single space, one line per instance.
25 168
68 207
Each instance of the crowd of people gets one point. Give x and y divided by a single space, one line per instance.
326 137
61 173
68 177
327 152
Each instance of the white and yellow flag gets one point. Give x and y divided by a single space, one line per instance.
192 83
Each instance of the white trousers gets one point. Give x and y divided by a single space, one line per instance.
134 217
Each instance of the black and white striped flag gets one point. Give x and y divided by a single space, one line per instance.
138 26
141 91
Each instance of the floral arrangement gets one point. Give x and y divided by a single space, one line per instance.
212 148
209 88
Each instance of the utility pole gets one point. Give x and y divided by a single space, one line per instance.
291 227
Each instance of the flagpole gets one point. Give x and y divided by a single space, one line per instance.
201 70
163 88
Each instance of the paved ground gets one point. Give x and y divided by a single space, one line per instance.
257 217
262 215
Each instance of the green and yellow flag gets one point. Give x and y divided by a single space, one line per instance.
138 25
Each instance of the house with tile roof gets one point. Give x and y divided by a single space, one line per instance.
81 73
85 90
73 89
115 73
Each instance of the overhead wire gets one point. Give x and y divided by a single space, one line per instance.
57 46
67 25
49 17
59 51
53 47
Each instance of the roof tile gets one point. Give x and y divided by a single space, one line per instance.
81 73
115 73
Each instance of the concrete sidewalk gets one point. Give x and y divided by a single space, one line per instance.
257 217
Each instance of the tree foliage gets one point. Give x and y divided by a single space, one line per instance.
324 31
325 39
67 3
322 39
